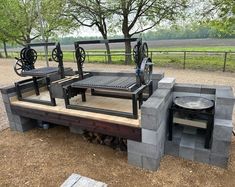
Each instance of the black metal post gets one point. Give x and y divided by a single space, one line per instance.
225 60
48 81
134 106
184 59
170 124
35 84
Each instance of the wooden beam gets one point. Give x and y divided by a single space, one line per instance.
112 129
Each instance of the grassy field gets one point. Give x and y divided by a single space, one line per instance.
209 57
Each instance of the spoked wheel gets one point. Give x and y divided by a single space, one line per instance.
135 53
19 67
144 50
22 53
146 70
31 55
80 54
54 55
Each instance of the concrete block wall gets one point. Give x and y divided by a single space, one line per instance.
190 145
147 154
222 133
16 122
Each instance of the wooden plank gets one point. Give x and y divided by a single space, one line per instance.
71 180
60 108
122 131
192 123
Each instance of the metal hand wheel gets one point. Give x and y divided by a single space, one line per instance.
80 54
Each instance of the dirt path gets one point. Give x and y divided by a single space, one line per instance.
47 158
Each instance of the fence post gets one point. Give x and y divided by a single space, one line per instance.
225 60
151 55
184 59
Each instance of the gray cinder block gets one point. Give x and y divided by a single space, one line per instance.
151 163
150 137
201 154
177 133
220 147
226 94
166 83
154 137
171 148
6 98
208 89
223 111
10 116
12 125
134 159
190 130
143 149
189 88
24 124
152 106
75 130
150 122
162 93
219 160
187 146
222 129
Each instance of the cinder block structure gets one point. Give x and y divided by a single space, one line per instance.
148 143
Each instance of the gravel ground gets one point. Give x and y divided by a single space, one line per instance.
47 158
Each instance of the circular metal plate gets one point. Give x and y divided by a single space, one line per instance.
193 102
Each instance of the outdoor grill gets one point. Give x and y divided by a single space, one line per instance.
193 111
113 86
25 67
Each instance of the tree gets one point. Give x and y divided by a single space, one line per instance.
91 13
222 14
20 16
137 16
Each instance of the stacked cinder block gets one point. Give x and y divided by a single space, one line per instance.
154 118
222 126
189 143
16 122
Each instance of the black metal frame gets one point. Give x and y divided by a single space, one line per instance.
134 92
207 114
34 79
136 95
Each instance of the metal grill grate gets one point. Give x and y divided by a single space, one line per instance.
40 71
106 82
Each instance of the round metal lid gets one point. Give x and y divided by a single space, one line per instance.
193 102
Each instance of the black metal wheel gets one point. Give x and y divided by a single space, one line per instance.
54 55
135 53
80 55
19 67
31 56
144 50
146 70
22 53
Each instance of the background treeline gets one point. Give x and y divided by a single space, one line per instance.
187 32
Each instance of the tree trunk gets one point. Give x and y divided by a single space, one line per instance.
108 53
126 34
5 48
107 48
128 50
